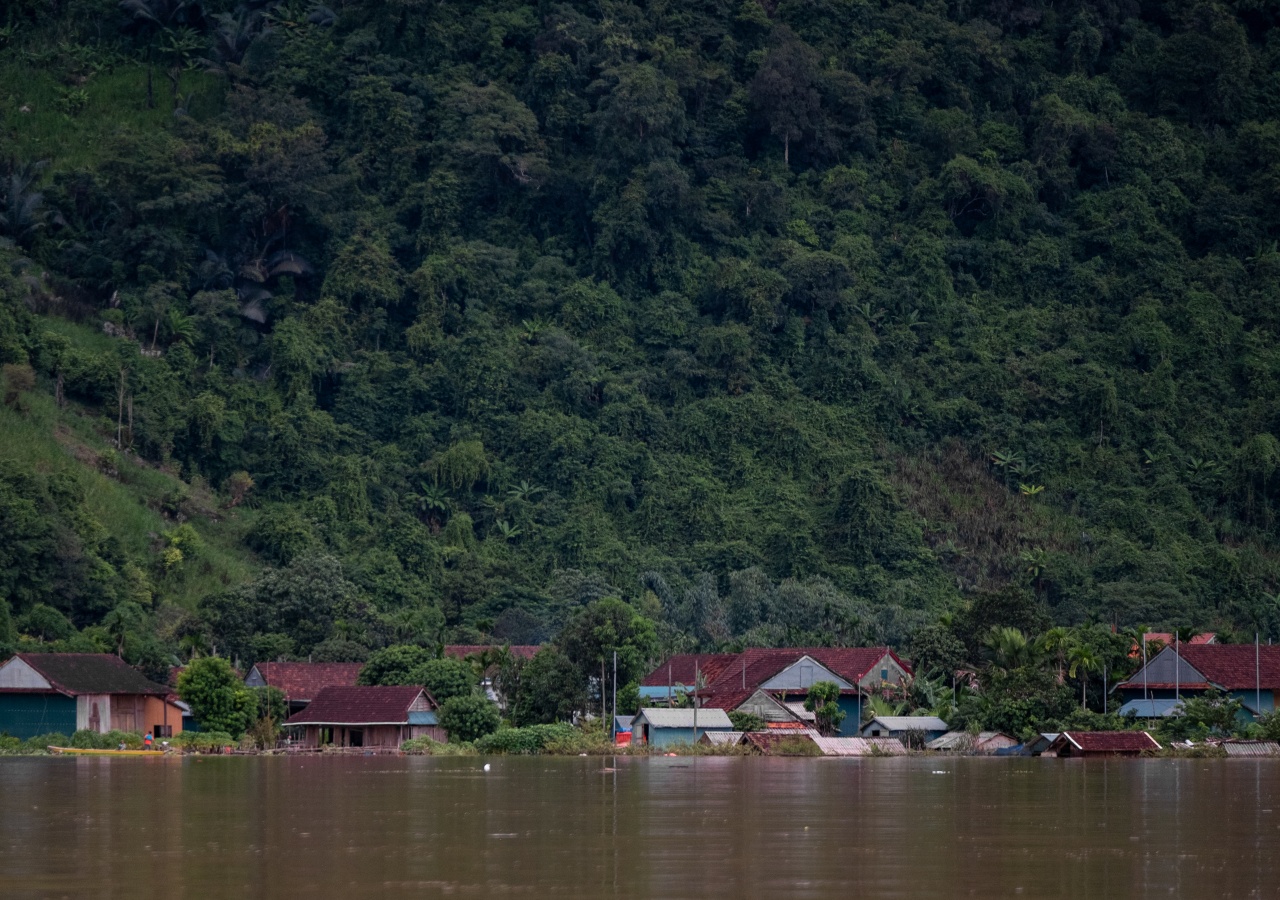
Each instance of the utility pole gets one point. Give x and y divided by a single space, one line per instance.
613 729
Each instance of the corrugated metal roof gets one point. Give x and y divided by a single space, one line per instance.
1151 709
716 738
798 710
1251 748
684 718
854 746
1110 741
910 723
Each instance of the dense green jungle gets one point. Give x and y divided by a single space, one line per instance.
326 328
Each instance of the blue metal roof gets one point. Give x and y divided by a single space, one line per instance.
1152 709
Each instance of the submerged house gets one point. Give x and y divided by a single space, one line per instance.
984 743
382 717
911 730
42 693
662 727
774 683
300 682
1245 672
1102 743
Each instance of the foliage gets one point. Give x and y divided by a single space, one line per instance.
823 701
469 718
444 678
217 696
746 721
777 323
526 741
1211 714
394 665
549 691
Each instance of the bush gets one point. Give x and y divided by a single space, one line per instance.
469 718
84 739
526 741
427 747
203 741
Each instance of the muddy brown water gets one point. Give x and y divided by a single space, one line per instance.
659 827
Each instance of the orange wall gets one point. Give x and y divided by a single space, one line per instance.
154 714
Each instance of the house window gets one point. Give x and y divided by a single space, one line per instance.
875 732
884 674
162 730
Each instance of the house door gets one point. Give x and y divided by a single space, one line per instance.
355 738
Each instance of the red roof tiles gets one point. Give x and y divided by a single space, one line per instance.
680 669
752 668
1111 741
360 706
302 681
1232 666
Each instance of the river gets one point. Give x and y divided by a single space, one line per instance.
635 827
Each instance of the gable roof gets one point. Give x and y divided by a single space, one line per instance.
1166 638
1229 666
338 705
89 673
659 717
1109 741
909 723
302 681
752 668
680 669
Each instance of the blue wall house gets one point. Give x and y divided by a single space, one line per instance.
1245 672
660 727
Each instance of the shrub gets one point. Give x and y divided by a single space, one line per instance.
469 718
527 741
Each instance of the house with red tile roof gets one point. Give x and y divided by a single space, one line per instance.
1158 639
1246 672
1102 743
381 717
773 682
676 677
42 693
302 681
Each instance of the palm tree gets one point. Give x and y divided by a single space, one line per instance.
1056 642
149 19
1009 648
22 211
1083 660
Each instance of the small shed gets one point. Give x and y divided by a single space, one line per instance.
917 730
1102 743
855 746
984 743
660 727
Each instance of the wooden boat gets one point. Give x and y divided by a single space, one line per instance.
77 751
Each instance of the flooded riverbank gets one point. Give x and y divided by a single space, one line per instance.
636 827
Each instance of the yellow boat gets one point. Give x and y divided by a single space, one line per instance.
77 751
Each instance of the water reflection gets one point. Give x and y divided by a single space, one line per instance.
663 827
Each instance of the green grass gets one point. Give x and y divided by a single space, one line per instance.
115 102
67 441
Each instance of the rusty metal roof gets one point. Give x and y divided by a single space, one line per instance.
387 705
1109 741
302 681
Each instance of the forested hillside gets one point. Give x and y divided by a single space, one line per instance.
809 321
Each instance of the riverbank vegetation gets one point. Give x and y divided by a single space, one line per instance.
328 328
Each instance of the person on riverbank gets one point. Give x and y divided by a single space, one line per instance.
147 741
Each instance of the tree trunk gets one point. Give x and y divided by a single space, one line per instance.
786 149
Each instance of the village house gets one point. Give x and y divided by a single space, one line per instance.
1245 672
913 731
42 693
300 682
662 727
676 677
773 683
1101 743
381 717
